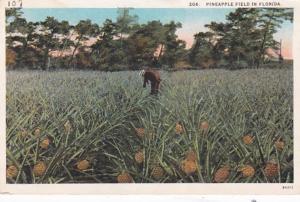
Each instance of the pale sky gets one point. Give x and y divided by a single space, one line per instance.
192 19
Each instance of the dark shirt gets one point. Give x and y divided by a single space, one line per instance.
152 76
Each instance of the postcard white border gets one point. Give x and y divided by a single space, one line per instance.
191 188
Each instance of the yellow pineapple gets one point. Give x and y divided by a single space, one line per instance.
271 169
37 132
222 174
12 171
279 145
191 155
248 139
179 128
157 172
140 132
23 133
188 166
39 168
204 126
139 157
124 177
83 165
247 171
45 143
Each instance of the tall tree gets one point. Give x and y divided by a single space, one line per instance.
125 22
244 38
84 30
105 48
143 43
20 38
11 14
13 21
174 48
65 35
270 19
159 35
201 53
47 38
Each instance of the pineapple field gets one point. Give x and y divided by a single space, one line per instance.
208 126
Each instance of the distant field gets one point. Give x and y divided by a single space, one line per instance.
205 126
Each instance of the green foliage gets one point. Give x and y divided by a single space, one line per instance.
202 50
239 42
84 30
269 21
12 14
125 22
103 110
143 43
174 48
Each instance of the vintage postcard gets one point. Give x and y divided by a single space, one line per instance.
150 97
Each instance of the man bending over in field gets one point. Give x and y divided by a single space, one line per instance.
154 77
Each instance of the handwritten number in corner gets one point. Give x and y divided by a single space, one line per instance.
14 3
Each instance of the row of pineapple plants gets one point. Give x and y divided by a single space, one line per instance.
197 131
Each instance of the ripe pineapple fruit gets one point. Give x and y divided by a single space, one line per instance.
191 156
11 171
139 157
45 143
247 171
222 174
124 177
157 172
279 145
83 165
188 166
23 133
271 169
179 128
37 132
204 126
39 168
248 139
140 132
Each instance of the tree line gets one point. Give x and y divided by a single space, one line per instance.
242 41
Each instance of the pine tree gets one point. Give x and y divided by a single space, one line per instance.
84 29
269 21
